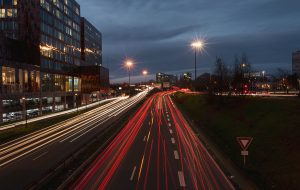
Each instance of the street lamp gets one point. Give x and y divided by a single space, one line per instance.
76 101
24 105
129 65
145 73
197 45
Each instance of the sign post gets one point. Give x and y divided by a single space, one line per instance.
244 143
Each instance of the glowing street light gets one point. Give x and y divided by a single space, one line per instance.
197 45
129 65
145 73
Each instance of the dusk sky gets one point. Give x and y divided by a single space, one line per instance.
157 33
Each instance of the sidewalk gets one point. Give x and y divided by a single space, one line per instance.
23 122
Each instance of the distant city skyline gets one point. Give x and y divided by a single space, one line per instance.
157 34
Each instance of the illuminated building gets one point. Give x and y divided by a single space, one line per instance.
41 56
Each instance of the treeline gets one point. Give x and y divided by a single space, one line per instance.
239 77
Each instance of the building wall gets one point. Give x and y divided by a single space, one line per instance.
60 35
91 44
162 77
41 64
296 62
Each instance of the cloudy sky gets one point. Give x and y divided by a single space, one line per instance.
156 33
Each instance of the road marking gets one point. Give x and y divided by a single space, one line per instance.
40 156
167 115
170 125
176 155
173 140
145 138
133 172
168 119
181 179
171 131
141 167
148 135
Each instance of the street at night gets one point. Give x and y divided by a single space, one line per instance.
149 95
157 149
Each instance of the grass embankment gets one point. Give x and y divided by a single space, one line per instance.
274 154
22 130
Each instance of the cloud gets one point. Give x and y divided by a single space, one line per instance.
157 33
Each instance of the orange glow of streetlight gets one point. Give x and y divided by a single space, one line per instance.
129 64
145 72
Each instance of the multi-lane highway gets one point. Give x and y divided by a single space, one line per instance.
25 160
157 149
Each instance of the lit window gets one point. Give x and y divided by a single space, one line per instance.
9 13
2 13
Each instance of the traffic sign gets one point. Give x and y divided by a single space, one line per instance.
244 142
244 153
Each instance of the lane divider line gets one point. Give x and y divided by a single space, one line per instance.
40 156
173 140
132 174
181 179
176 155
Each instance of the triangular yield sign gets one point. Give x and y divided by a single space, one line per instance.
244 142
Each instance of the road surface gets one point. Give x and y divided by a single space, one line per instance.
157 149
27 159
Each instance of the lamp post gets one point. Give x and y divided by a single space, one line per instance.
197 45
76 101
145 73
129 65
25 110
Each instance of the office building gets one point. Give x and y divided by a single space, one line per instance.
162 77
91 43
43 45
296 63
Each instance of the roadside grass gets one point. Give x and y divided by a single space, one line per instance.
22 130
273 161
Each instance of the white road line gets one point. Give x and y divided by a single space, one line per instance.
89 130
133 172
176 155
40 156
170 125
167 115
181 179
171 131
168 119
145 138
173 140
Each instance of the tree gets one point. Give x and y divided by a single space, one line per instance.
241 71
221 76
286 81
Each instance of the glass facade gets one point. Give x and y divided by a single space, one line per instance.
51 31
20 80
60 34
8 16
91 44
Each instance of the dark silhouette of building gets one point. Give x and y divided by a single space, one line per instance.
296 63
